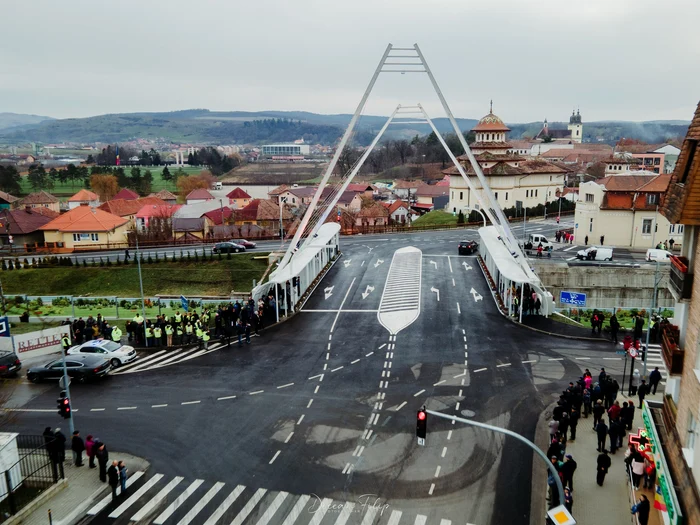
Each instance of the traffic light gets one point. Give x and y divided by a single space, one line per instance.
421 423
63 405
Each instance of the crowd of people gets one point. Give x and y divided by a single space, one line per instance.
597 398
531 301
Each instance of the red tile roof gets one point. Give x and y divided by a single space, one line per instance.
396 205
279 190
238 193
8 198
125 208
85 219
219 215
41 197
126 194
199 194
158 210
84 196
262 210
626 183
25 220
165 195
360 187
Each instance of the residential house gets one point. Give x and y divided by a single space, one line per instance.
674 429
264 213
165 195
199 195
41 199
129 208
350 200
219 216
7 201
192 229
403 188
238 198
20 227
438 196
155 216
301 197
570 194
274 194
374 215
84 227
620 164
367 190
666 164
126 194
624 209
83 197
399 212
297 196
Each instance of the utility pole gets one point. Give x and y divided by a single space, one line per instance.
282 201
653 305
143 300
653 232
66 387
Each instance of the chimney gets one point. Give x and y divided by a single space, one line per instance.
27 208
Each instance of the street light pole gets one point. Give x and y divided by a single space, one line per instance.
282 201
66 387
653 305
535 448
143 300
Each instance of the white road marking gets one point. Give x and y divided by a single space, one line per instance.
341 304
445 522
135 496
381 346
274 457
256 392
444 451
504 364
301 418
289 437
192 513
401 406
556 359
460 393
367 355
480 369
309 405
460 375
355 361
531 361
347 467
316 389
571 248
190 402
459 310
449 435
457 406
369 516
97 410
437 471
369 433
612 358
325 366
336 369
439 382
225 397
221 509
418 393
139 362
296 511
272 509
345 513
285 386
581 358
159 406
319 513
315 377
449 261
430 493
104 502
127 408
148 507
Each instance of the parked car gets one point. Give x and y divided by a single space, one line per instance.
244 243
595 253
468 247
227 247
9 364
117 353
82 368
655 255
535 239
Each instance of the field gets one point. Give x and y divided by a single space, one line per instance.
70 188
436 218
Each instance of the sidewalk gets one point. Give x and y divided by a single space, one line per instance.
546 324
82 488
610 503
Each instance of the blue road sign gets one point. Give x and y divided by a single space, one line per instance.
185 303
577 224
573 298
4 327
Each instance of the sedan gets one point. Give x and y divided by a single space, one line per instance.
116 353
9 364
468 247
228 247
82 368
244 243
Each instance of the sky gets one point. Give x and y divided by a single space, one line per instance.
614 59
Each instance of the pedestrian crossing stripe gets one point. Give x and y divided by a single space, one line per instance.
164 358
300 509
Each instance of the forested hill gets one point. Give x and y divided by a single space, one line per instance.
202 126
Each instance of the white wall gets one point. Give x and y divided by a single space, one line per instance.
33 344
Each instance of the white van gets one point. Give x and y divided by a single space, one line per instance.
654 255
535 239
218 186
595 253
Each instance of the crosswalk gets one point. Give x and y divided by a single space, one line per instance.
162 358
164 501
655 359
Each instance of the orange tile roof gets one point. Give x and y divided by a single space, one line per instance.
165 195
126 194
41 197
657 184
84 196
124 207
199 194
396 205
85 219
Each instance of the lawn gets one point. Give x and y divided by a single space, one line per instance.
25 328
70 188
436 218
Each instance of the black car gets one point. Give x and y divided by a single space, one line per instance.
468 247
82 368
9 364
228 247
244 243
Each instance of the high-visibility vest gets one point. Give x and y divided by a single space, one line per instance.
65 341
168 330
116 334
205 336
178 318
188 329
158 333
149 331
199 332
179 330
137 319
198 324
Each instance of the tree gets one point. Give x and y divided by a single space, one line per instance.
404 150
38 178
90 159
186 184
105 186
547 138
135 180
166 175
10 179
146 183
122 179
460 217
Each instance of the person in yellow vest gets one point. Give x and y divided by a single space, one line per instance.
169 334
178 334
199 334
178 318
149 336
116 334
158 335
138 329
65 341
188 333
205 339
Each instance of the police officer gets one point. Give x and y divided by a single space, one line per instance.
188 332
199 333
178 318
116 334
158 335
205 339
149 335
169 334
178 333
65 341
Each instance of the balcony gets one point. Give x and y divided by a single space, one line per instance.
670 350
681 281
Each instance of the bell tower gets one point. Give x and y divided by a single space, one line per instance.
576 127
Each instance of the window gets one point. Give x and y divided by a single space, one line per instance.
590 197
506 195
496 195
461 195
536 193
652 198
657 161
453 195
80 237
590 226
577 132
550 178
692 423
646 226
692 148
527 193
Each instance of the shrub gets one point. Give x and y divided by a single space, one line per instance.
119 261
189 258
150 259
39 302
4 265
84 263
109 262
10 265
196 257
102 263
26 262
60 302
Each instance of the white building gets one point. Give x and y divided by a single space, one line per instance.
283 150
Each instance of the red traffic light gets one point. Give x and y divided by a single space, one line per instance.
421 415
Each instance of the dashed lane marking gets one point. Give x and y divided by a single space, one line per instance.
190 402
274 457
225 397
285 386
418 393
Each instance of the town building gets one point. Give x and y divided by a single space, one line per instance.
126 194
405 189
265 214
238 198
165 195
154 216
19 228
41 199
651 151
7 201
373 215
515 180
198 195
436 195
83 197
128 209
399 212
572 134
286 150
84 227
195 229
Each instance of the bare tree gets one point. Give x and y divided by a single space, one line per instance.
404 150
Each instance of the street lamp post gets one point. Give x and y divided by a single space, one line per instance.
653 305
143 301
283 200
66 387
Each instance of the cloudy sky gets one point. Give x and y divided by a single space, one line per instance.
615 59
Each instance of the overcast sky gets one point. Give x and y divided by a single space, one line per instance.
615 59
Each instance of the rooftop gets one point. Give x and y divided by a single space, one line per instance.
199 194
84 196
238 193
125 208
85 219
491 123
25 220
41 197
126 194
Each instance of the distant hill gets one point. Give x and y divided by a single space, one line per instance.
11 120
202 126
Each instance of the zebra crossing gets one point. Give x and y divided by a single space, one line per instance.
162 358
162 501
655 359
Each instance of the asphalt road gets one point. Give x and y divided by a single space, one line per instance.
324 405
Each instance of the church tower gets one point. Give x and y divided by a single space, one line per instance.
576 127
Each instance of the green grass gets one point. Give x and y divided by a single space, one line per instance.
189 279
436 218
24 328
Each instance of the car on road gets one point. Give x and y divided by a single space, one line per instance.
9 364
656 255
467 247
82 368
244 243
228 247
595 253
117 354
534 240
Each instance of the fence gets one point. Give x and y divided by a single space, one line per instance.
27 478
624 315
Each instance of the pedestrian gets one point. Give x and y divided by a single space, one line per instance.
637 469
169 334
614 328
629 418
102 456
602 239
553 429
638 327
603 464
642 509
60 444
157 335
65 342
77 446
614 433
568 500
601 377
239 331
642 392
205 339
189 333
598 411
247 333
564 426
614 411
90 450
585 240
123 475
178 334
634 382
551 482
573 422
654 379
567 470
126 255
587 408
671 242
601 430
113 475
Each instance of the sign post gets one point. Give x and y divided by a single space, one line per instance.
574 298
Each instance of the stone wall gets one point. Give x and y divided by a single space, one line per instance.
607 286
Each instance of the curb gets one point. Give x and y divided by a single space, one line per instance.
538 489
37 502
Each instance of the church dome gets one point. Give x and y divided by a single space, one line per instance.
491 123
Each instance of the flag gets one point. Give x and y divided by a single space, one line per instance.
659 502
185 304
